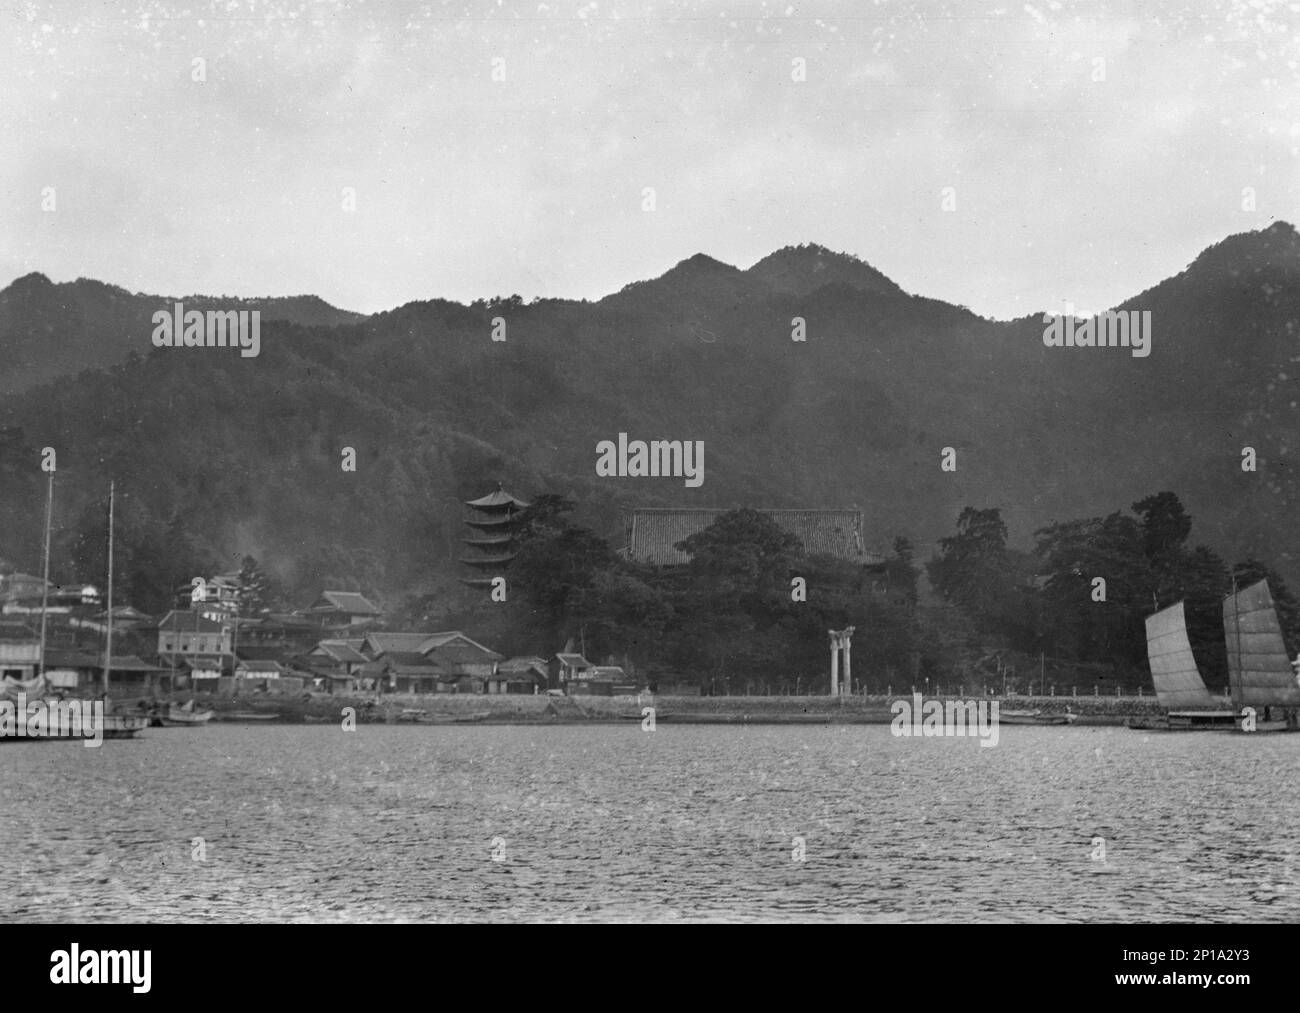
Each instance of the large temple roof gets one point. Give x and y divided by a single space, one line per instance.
653 533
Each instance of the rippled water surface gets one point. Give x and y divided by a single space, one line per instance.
309 823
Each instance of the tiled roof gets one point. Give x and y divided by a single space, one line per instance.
461 654
179 621
383 643
341 650
290 620
18 631
574 660
130 663
653 533
421 672
203 661
522 664
263 654
409 659
56 657
346 601
448 637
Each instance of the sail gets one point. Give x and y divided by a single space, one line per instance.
1260 672
1178 682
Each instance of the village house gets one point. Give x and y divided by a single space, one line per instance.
468 661
519 675
129 676
376 645
69 670
346 654
447 662
290 630
342 610
20 651
334 664
409 672
568 668
20 586
258 668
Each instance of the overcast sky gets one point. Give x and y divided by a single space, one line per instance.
1074 179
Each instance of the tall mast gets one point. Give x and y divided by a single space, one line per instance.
1236 623
108 647
45 570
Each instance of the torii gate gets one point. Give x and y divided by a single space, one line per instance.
841 640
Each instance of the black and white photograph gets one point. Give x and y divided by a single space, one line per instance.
650 462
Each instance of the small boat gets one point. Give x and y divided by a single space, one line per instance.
1015 717
1184 721
736 718
242 716
185 715
124 726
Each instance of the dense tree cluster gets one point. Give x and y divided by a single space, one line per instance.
1049 604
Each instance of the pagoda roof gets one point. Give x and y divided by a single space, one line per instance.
490 540
491 522
490 560
498 500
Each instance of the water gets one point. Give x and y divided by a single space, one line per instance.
609 823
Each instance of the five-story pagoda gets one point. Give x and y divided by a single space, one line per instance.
492 520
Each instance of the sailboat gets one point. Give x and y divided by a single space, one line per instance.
1179 686
116 726
1259 672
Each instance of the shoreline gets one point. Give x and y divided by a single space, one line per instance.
465 709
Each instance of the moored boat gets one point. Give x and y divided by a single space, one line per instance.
1019 717
185 715
124 726
1177 679
1265 687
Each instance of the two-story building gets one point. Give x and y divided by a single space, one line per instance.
195 643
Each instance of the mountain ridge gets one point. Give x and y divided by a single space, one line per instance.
236 455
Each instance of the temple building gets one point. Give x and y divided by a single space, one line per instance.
492 520
652 533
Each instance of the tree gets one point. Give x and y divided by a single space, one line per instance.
552 570
1165 524
255 593
975 571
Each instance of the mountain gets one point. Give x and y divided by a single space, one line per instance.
48 330
218 455
802 270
